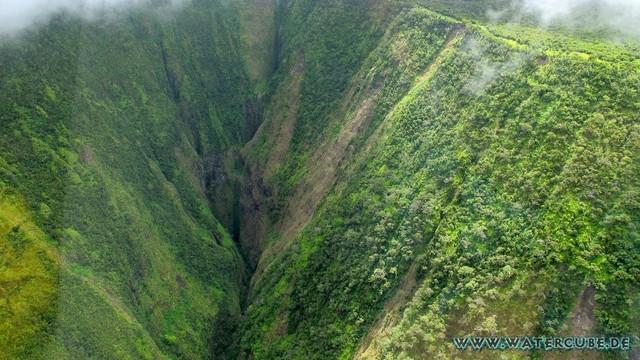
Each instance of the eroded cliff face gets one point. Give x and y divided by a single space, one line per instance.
313 179
429 180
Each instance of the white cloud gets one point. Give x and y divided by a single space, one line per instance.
16 15
622 15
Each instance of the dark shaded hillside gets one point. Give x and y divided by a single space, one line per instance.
105 128
314 180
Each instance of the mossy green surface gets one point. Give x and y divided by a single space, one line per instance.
105 125
477 178
496 173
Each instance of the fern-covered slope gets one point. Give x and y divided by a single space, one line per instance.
106 125
414 176
468 181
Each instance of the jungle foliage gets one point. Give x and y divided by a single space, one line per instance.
479 179
104 128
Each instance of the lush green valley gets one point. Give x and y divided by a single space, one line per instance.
106 131
315 180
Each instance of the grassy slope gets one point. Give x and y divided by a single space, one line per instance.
104 127
490 173
29 276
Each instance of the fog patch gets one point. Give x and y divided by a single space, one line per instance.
486 71
620 15
18 15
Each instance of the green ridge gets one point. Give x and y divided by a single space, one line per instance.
314 180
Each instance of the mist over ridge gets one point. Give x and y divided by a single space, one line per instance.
550 10
619 15
16 16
